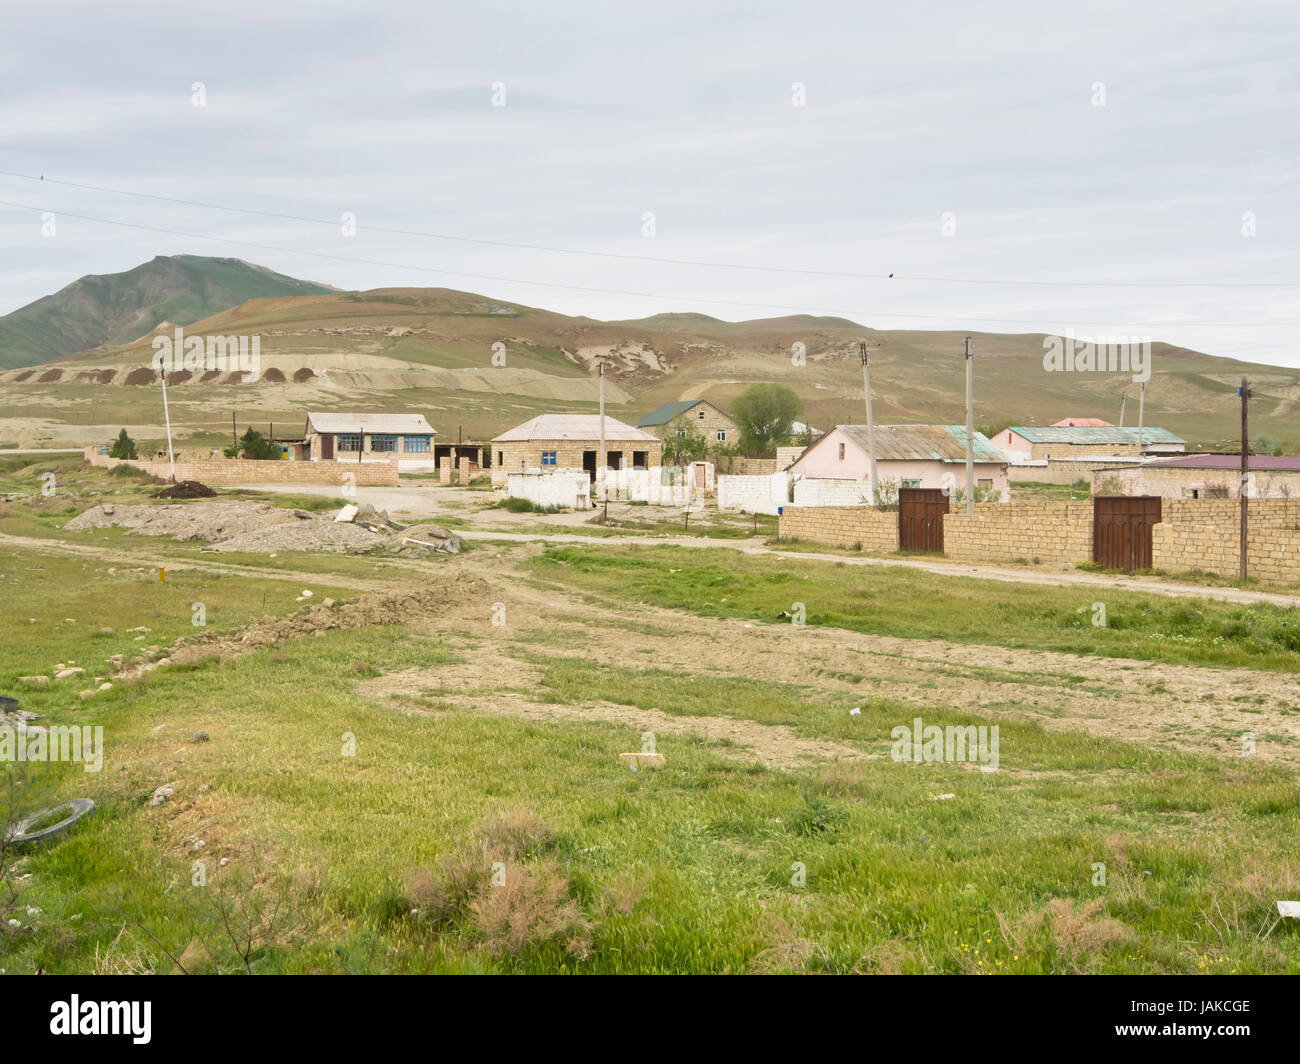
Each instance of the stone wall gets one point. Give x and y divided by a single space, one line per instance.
858 527
217 471
524 455
1047 533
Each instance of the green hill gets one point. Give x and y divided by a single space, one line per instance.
116 308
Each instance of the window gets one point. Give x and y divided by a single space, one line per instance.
614 459
416 444
985 485
906 483
841 452
639 459
349 441
501 458
383 443
722 435
548 458
701 415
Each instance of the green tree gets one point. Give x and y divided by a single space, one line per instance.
123 447
764 413
252 444
684 445
1265 445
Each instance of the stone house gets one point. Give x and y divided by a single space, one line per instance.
1076 440
699 414
554 442
368 437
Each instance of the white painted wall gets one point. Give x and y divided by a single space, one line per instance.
567 488
823 491
658 485
754 494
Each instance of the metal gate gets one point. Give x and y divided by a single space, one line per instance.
920 519
1121 530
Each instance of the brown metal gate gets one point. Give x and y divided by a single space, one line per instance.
1121 530
920 518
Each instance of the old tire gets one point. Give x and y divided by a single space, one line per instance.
76 809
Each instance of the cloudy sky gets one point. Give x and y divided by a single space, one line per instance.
1119 158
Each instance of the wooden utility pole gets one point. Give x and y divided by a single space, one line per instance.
970 428
871 424
1142 409
1123 402
1245 471
234 432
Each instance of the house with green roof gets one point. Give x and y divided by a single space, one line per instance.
1076 441
698 414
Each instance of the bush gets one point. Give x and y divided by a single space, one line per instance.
252 444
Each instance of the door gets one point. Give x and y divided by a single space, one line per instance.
589 464
1121 530
327 446
700 475
920 519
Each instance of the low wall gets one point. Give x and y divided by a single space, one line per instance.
858 527
754 494
216 471
1047 533
570 489
1205 535
823 491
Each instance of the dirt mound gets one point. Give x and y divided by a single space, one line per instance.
433 600
186 489
252 527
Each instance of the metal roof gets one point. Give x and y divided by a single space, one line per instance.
1091 435
574 427
668 411
942 443
344 422
1279 463
1082 422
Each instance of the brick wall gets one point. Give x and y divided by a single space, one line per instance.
842 526
1049 533
216 471
1205 535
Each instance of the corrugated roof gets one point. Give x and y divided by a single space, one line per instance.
1092 435
574 427
667 412
1082 422
345 422
1280 463
943 443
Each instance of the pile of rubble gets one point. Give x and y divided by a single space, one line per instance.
257 527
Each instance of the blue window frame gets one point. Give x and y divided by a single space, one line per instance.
416 444
349 442
548 458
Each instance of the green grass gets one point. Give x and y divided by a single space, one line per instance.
906 602
688 869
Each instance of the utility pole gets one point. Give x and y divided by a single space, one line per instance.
1142 409
1123 402
871 423
234 432
171 458
970 428
1245 471
601 471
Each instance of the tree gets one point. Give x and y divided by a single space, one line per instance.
1265 445
252 444
684 445
764 413
123 447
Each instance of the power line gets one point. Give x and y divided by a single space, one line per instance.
923 278
1037 322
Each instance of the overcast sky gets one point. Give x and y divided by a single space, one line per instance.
689 111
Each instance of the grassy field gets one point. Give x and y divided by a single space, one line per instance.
321 858
912 603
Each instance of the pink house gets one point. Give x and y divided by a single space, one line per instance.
907 456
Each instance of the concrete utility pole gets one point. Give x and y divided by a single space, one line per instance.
871 424
601 470
171 458
1142 409
970 428
1245 471
1123 402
